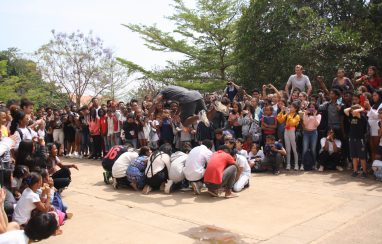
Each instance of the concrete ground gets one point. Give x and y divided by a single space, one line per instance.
294 207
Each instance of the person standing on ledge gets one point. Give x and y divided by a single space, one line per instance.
298 80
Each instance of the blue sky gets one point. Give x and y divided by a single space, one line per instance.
27 24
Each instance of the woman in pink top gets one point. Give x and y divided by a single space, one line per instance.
311 121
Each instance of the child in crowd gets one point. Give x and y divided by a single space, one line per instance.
358 126
268 123
239 148
292 119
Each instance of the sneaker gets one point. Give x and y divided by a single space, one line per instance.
167 186
276 172
70 155
339 168
203 118
115 184
302 168
296 167
195 187
354 174
364 175
288 167
321 169
146 189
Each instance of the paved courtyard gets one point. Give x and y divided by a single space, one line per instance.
294 207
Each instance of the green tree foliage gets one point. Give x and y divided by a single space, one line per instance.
205 35
20 78
274 36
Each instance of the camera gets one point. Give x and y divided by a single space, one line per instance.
268 149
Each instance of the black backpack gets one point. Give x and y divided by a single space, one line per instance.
21 133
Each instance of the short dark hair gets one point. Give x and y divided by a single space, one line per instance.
240 140
207 143
143 151
25 102
225 149
41 226
166 148
219 131
271 137
336 92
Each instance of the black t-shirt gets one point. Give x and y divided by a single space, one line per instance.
358 126
112 156
131 130
180 94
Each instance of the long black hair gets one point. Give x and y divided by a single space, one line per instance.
24 154
17 115
376 105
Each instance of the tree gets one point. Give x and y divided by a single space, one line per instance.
116 75
205 36
75 63
20 78
274 36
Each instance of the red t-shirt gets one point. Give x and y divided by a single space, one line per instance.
374 82
103 125
216 165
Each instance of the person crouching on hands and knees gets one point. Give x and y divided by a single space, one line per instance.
221 172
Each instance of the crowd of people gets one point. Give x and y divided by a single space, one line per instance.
180 139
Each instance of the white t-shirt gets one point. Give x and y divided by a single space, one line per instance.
243 152
154 136
110 126
178 160
14 237
122 163
373 119
242 162
258 154
299 83
28 134
330 148
195 164
25 206
160 161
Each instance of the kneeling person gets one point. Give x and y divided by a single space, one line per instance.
221 172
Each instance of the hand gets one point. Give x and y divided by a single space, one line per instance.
2 195
274 149
264 87
74 166
320 78
367 104
41 141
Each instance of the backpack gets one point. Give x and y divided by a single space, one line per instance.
21 133
151 161
307 160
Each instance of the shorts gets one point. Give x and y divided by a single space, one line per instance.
189 109
357 148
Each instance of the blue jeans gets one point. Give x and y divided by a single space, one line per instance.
310 142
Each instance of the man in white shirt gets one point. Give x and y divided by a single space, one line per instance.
195 165
330 153
298 80
120 167
244 173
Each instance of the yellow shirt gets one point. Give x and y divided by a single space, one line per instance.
292 120
4 131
